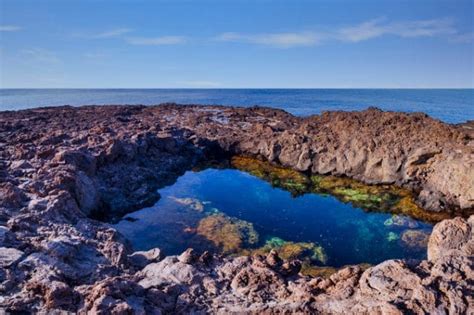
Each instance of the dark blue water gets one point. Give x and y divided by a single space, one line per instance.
450 105
346 234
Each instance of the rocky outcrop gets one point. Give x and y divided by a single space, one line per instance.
62 169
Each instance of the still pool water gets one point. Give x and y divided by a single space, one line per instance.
233 212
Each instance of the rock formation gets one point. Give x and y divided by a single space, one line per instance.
64 171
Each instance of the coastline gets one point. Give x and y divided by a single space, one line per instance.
61 165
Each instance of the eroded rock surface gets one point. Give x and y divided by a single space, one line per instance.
63 168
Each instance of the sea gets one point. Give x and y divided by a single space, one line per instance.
448 105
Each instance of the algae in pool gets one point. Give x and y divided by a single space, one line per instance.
321 220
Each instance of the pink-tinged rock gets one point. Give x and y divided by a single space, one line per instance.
452 237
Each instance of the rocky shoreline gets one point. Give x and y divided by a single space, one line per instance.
64 171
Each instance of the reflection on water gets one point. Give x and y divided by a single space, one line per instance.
324 221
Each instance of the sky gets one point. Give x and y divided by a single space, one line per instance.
236 44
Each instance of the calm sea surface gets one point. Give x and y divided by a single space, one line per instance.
450 105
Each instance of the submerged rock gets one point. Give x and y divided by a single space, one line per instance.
192 203
415 238
401 221
228 234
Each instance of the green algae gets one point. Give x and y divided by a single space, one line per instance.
392 236
291 180
380 198
274 242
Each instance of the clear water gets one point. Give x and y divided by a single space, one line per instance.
348 235
450 105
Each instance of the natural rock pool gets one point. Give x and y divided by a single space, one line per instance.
254 207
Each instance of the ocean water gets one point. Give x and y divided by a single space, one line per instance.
449 105
230 211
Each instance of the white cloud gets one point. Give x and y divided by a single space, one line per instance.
156 41
282 40
111 33
379 27
9 28
363 31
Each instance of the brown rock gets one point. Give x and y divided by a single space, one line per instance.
451 237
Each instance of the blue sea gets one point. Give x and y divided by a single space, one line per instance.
449 105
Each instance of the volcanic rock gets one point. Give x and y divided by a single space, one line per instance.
65 172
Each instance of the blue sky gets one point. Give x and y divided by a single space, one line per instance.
235 44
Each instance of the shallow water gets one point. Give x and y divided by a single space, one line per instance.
450 105
233 212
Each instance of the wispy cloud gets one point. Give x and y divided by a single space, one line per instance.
40 55
367 30
282 40
10 28
379 27
361 32
156 41
112 33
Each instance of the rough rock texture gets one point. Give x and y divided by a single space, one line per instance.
63 168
